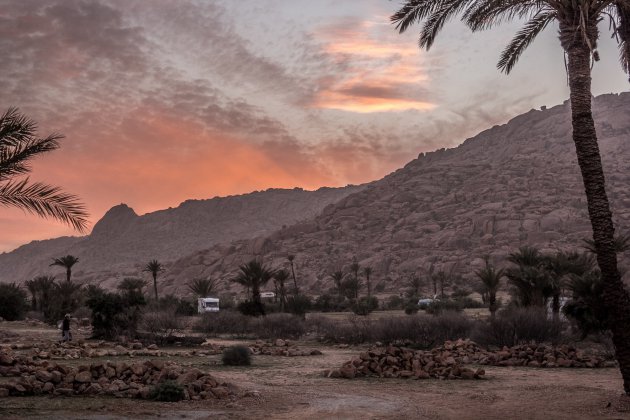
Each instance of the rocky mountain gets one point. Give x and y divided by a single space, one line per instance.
509 186
122 241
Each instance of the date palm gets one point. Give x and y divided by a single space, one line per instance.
202 287
66 262
490 279
253 275
337 278
18 145
578 32
291 258
367 271
154 267
281 276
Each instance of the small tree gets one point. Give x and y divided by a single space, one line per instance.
253 275
490 283
66 262
202 287
13 303
154 267
281 276
337 278
291 258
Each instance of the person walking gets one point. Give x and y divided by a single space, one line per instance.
65 328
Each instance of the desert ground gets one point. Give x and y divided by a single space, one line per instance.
283 387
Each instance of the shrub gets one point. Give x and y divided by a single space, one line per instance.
517 326
178 306
419 331
13 302
224 322
280 326
364 306
167 391
161 324
237 356
298 305
394 302
411 308
113 314
251 308
440 306
468 302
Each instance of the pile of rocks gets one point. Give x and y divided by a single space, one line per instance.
400 362
533 355
107 378
280 347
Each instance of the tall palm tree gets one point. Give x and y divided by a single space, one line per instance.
490 282
154 267
354 268
18 145
562 265
337 278
414 284
367 271
66 262
44 286
281 276
291 257
33 289
254 274
202 287
578 33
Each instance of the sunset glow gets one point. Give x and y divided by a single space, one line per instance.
165 101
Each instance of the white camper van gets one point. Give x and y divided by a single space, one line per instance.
207 305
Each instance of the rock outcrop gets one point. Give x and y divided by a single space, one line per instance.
512 185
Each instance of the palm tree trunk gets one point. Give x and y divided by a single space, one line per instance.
155 287
615 296
555 306
68 274
297 292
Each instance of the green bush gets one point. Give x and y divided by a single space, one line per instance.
298 305
280 326
13 303
394 302
251 308
518 326
440 306
364 306
236 356
179 306
113 314
411 308
167 391
224 322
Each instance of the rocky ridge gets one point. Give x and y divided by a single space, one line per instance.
512 185
121 241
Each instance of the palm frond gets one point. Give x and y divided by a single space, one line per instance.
46 201
15 128
412 12
14 159
522 40
623 34
485 14
438 18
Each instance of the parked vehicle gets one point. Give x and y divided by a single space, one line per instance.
205 305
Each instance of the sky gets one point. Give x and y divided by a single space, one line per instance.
167 100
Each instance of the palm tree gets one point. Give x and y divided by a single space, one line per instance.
291 257
338 277
415 284
202 287
33 289
281 276
44 287
18 145
354 268
366 272
622 244
154 267
66 262
578 32
532 283
490 283
254 274
561 266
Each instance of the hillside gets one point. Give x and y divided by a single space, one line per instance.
122 241
511 185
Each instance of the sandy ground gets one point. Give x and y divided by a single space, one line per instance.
294 388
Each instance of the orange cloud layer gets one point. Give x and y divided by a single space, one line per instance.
379 73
